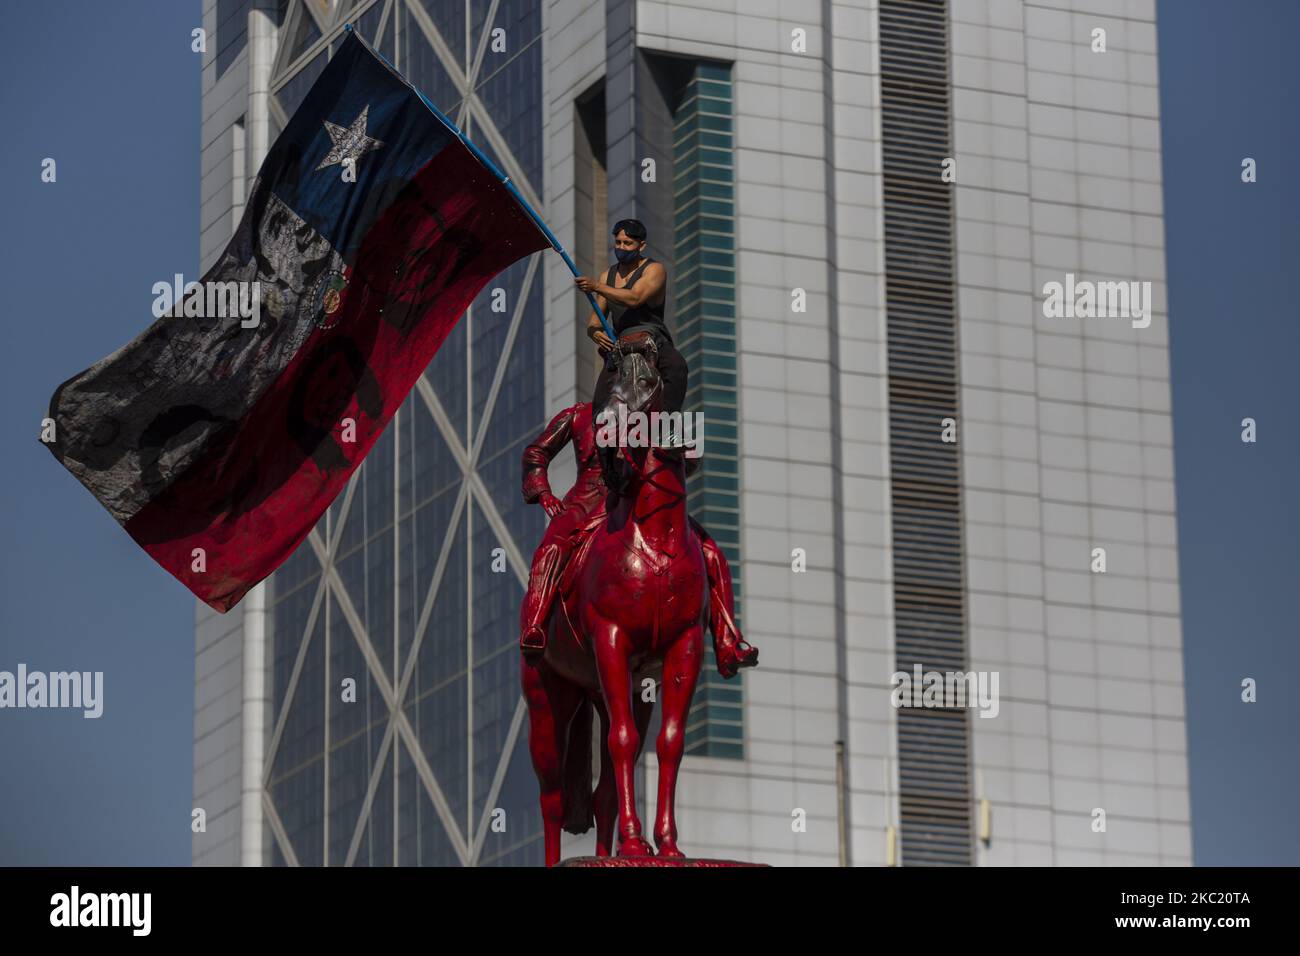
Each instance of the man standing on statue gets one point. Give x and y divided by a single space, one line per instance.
633 296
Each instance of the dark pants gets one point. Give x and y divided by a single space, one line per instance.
672 370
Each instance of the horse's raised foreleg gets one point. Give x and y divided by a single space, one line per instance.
623 742
681 670
552 702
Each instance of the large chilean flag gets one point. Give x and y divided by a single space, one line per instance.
217 447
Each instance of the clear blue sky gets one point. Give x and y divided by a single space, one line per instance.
112 93
1230 88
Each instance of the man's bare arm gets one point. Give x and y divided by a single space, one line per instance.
595 330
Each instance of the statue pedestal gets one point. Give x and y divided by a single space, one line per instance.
650 861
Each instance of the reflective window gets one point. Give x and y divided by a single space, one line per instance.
232 32
704 254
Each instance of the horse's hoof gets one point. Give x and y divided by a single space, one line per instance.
670 851
635 847
733 658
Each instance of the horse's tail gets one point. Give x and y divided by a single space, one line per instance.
575 780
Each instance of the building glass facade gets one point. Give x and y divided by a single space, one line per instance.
410 585
705 289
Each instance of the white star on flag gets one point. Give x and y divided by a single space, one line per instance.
350 143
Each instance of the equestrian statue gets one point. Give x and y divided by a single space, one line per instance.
620 591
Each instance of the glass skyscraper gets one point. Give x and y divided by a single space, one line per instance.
842 306
431 630
410 585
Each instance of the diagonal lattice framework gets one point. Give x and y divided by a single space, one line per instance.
467 847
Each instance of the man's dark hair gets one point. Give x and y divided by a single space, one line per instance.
634 228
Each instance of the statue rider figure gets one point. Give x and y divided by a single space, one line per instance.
582 509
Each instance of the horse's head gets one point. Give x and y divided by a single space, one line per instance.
636 383
638 387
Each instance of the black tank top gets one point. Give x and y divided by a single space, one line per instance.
648 315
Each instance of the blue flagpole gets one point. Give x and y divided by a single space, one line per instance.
505 180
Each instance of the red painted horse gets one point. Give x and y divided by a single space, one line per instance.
632 606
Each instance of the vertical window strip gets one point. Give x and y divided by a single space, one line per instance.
929 592
704 215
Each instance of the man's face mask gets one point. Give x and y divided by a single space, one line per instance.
627 255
